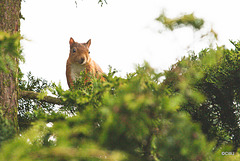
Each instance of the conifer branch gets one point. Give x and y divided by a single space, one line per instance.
34 95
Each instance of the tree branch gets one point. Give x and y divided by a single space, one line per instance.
34 95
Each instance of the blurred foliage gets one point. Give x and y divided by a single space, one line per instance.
218 81
7 130
185 20
101 2
9 51
132 118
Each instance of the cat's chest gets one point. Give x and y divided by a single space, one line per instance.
75 70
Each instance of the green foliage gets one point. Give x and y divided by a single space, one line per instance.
134 118
101 2
86 92
218 81
193 114
9 51
7 130
185 20
119 119
182 140
30 110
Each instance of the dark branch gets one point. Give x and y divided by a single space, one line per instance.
34 95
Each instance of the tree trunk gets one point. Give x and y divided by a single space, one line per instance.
9 22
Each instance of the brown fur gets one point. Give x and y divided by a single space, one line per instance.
79 60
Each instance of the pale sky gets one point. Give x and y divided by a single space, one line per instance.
123 32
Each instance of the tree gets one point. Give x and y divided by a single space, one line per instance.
218 80
10 22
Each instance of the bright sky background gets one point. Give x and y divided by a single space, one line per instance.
123 32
